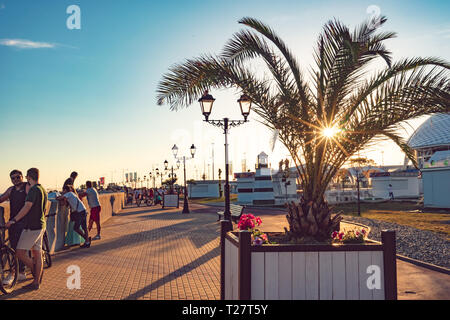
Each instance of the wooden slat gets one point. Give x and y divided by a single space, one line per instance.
235 271
325 276
377 259
271 275
339 282
258 276
298 275
228 270
365 260
285 275
352 275
312 275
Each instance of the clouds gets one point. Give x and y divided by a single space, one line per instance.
25 44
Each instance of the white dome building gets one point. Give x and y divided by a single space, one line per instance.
431 141
432 136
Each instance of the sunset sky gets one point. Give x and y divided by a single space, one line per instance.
85 99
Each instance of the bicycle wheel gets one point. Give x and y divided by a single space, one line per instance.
8 269
46 257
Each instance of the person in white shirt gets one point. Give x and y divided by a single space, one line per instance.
94 205
78 214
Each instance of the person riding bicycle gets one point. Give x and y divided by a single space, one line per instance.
16 196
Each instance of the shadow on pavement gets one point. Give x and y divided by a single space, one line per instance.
194 228
175 274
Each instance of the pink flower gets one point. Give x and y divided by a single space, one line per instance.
363 231
335 234
258 241
341 235
248 221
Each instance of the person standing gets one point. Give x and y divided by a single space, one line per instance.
16 196
391 193
77 214
71 181
94 205
31 236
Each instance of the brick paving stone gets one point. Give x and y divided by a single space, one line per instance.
144 253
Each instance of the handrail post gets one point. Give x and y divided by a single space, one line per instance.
224 228
244 262
390 264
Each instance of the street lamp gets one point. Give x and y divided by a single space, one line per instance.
193 149
172 175
206 104
159 174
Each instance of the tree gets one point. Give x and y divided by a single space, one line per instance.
170 181
323 121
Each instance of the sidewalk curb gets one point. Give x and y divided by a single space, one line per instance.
424 264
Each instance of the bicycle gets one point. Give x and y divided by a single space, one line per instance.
46 257
9 264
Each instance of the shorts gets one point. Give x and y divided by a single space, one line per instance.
31 240
95 214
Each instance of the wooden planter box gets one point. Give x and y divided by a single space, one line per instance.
307 272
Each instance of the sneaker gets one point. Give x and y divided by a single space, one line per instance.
32 286
97 237
8 280
22 276
87 244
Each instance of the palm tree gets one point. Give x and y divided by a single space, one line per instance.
344 105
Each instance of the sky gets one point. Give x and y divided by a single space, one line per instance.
85 99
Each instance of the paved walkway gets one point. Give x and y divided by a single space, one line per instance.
144 253
159 254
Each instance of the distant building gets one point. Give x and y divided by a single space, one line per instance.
405 184
431 142
266 186
432 136
204 188
436 180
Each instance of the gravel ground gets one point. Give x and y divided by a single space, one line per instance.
418 244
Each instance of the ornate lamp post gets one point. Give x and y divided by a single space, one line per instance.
206 104
184 158
172 175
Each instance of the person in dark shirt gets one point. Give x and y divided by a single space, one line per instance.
31 237
16 196
71 181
